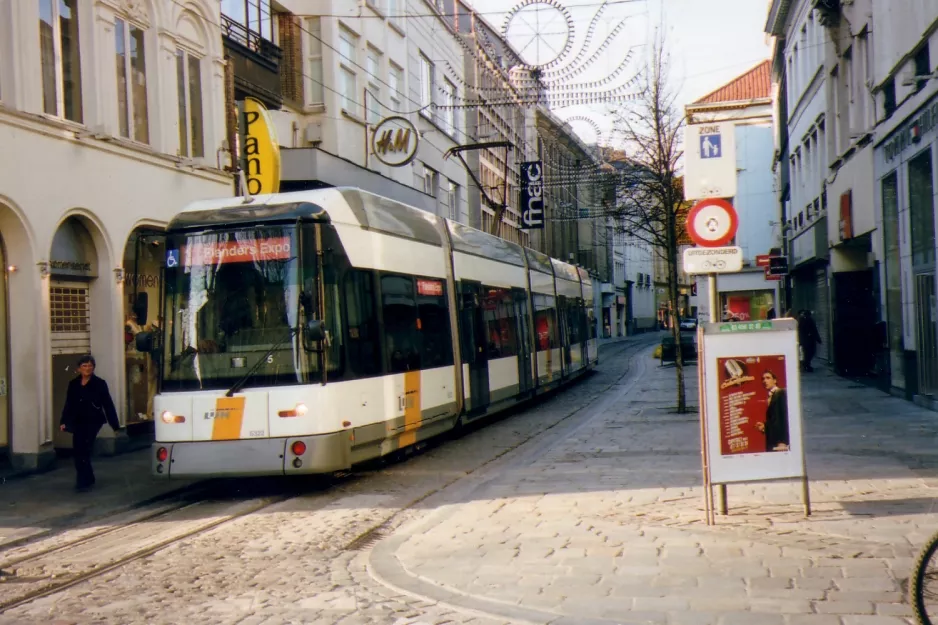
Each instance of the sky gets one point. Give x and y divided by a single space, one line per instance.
711 42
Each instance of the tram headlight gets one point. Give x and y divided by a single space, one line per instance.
301 409
167 416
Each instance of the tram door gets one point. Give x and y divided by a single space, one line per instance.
474 341
523 332
563 320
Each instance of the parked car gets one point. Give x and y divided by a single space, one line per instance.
688 325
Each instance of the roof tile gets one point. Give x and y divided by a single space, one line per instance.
753 85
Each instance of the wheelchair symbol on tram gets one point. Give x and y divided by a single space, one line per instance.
172 258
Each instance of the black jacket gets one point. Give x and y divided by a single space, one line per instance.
90 406
776 420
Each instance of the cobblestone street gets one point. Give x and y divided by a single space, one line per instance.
584 508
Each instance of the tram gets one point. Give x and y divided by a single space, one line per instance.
307 332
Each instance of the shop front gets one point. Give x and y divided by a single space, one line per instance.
810 283
904 165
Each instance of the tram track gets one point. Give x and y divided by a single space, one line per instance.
37 570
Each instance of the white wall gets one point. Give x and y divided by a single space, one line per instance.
399 42
54 168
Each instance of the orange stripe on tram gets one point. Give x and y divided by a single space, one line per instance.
412 413
229 414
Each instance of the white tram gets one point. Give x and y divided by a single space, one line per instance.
307 332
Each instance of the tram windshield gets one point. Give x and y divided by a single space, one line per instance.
233 297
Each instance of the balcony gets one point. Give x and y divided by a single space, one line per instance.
256 63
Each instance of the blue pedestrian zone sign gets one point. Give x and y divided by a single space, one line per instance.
710 146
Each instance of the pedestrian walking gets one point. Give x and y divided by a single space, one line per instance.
809 337
88 406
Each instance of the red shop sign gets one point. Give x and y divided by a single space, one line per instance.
432 288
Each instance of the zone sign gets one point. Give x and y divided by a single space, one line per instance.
712 223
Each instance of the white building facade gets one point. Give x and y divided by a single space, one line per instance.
111 121
802 57
905 92
352 73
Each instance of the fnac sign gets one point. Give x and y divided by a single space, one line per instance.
260 152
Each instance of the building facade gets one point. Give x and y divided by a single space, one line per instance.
112 120
341 77
746 103
905 109
802 57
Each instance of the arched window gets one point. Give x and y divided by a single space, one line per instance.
189 95
130 48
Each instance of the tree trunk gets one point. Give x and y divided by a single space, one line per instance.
672 260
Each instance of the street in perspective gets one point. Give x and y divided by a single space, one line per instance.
466 312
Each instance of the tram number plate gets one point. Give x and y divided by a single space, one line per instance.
256 433
216 414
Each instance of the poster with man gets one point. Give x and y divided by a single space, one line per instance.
753 405
752 399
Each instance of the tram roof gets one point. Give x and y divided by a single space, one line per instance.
354 206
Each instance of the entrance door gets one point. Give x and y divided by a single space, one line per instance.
927 345
70 311
854 329
474 344
523 332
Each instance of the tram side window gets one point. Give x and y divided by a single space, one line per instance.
500 323
400 323
364 349
545 322
436 341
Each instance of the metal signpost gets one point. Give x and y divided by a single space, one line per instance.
749 390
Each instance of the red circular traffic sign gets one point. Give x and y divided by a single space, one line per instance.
712 222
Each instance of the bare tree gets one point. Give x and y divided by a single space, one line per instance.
650 197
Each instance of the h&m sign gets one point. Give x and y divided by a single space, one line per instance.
394 141
532 195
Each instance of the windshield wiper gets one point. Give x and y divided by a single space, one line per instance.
247 376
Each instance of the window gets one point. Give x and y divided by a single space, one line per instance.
254 15
922 66
545 322
436 341
364 348
314 61
348 43
449 110
451 199
889 97
500 323
426 84
60 59
396 83
921 209
893 273
400 323
131 82
395 12
373 65
429 181
189 85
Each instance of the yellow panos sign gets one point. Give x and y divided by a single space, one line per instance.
260 151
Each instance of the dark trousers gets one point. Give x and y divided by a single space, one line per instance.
82 446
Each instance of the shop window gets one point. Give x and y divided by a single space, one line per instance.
143 257
60 59
500 323
364 348
921 209
893 275
436 341
400 323
131 81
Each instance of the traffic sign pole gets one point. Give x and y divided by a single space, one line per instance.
715 318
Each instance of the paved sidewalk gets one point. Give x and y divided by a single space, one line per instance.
35 504
606 524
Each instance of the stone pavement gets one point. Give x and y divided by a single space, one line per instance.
604 522
36 504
